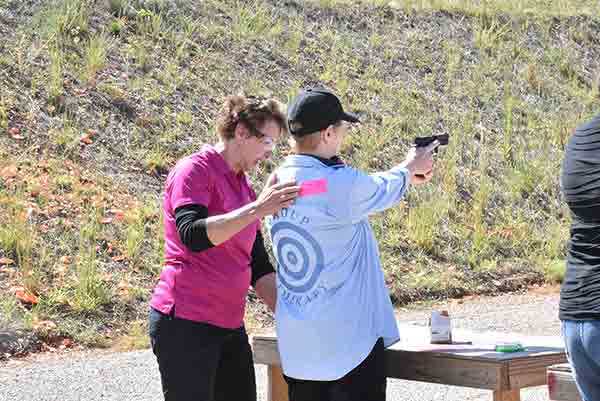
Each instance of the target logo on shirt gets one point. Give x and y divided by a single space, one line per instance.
299 256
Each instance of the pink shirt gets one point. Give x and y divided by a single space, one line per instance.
208 286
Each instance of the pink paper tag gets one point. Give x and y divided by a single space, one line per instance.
313 187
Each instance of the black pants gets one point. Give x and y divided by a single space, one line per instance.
366 382
202 362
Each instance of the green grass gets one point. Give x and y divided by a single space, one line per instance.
65 136
135 339
96 51
11 314
90 290
508 80
490 7
252 20
68 19
135 233
64 183
55 87
156 160
140 54
16 231
423 221
554 270
4 107
149 24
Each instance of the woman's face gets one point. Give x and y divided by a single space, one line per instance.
255 149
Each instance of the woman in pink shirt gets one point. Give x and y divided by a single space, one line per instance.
214 251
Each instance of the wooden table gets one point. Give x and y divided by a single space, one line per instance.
474 365
561 383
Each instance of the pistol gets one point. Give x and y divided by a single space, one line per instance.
426 140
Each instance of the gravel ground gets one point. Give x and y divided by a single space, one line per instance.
94 375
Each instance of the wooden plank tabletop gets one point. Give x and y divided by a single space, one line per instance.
472 365
414 338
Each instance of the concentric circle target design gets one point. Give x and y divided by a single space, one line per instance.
299 257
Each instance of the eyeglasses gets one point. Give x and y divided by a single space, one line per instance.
266 140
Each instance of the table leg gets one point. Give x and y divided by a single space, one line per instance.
508 395
277 389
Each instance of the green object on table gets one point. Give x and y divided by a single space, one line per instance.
509 347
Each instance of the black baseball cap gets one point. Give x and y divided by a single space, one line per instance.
315 109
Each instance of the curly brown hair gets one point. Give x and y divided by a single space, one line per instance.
251 111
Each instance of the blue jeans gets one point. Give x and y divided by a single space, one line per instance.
582 343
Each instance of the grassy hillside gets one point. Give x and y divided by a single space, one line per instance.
98 99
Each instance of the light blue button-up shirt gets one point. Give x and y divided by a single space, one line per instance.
332 301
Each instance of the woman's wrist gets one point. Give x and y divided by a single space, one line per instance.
255 208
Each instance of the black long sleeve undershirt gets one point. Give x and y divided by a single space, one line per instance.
261 265
191 227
